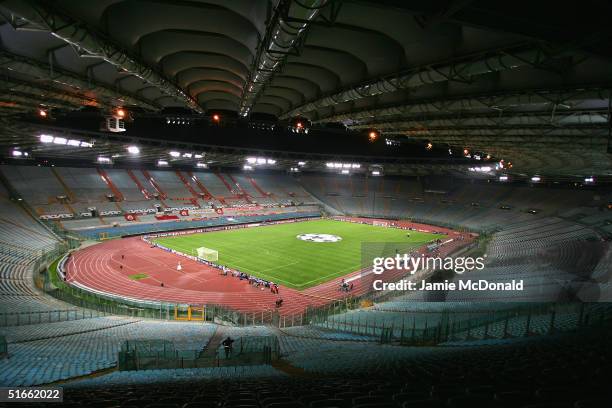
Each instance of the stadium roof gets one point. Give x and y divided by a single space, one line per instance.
526 81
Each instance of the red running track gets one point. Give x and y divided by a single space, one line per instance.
106 267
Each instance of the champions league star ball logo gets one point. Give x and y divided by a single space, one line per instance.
319 237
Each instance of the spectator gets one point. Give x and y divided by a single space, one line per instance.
227 346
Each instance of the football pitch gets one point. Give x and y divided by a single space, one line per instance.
276 253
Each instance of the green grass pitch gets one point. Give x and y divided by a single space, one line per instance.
274 253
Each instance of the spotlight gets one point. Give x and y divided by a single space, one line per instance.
372 136
429 146
120 113
216 117
466 152
299 125
43 113
133 149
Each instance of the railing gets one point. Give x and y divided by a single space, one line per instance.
162 354
46 316
430 328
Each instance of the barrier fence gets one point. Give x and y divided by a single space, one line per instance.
162 354
429 328
46 316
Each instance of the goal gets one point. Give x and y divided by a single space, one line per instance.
208 254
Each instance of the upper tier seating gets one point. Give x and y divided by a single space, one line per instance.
442 200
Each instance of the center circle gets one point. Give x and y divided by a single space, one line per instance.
319 237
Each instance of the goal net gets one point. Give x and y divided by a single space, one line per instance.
208 254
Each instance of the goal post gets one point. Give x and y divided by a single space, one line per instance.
208 254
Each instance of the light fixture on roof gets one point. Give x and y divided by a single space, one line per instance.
162 163
301 163
251 160
392 142
589 180
46 139
133 149
376 172
247 167
503 178
60 140
175 154
202 165
483 169
373 136
17 153
536 179
103 160
299 125
345 171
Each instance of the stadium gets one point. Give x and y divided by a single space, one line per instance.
305 204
